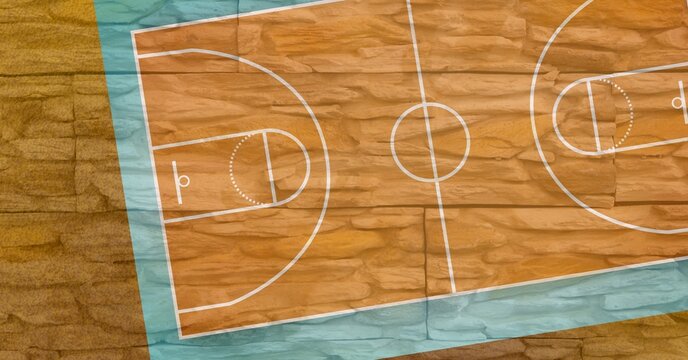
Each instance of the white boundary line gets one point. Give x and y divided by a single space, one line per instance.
538 145
327 165
271 178
157 188
440 297
236 16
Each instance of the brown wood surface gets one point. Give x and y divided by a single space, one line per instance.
507 222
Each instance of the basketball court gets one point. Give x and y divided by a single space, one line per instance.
334 157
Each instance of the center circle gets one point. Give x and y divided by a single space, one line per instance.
436 178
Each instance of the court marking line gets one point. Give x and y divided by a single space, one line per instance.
271 178
231 172
612 76
209 139
395 129
219 213
630 109
635 72
155 183
257 205
177 184
416 53
428 129
236 16
538 145
441 297
326 158
593 112
684 106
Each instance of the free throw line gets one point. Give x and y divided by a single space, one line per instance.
593 112
269 165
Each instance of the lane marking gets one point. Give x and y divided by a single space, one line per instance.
326 158
257 205
206 140
445 296
610 77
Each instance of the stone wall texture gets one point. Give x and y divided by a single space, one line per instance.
68 285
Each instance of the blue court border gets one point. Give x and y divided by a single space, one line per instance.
402 329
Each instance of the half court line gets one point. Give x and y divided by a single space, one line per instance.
428 129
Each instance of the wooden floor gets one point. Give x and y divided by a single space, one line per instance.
239 261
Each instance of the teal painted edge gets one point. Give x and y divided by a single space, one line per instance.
402 329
